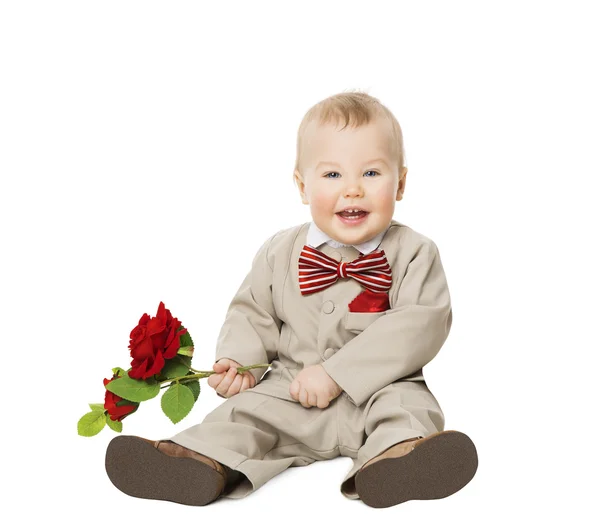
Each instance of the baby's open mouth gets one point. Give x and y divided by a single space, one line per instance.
352 215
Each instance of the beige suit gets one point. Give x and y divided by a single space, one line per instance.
375 357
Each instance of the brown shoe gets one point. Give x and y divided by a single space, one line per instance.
163 470
426 468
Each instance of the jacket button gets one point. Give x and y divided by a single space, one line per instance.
328 306
328 353
336 255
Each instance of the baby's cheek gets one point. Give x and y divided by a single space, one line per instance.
385 196
321 202
321 209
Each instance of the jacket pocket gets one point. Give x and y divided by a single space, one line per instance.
358 322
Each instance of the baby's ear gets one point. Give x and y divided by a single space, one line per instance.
299 180
401 184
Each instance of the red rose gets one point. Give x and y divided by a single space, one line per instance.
116 412
152 341
138 334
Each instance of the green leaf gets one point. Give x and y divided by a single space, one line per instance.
188 351
134 389
91 423
126 402
97 406
174 368
185 339
186 344
194 386
185 360
177 402
118 371
116 426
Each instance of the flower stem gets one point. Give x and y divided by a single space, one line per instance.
199 374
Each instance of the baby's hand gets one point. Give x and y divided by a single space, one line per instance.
227 382
313 387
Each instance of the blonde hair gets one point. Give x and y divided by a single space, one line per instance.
355 108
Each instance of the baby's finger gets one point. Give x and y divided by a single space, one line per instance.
312 400
322 401
245 383
236 385
294 388
215 379
219 368
303 396
227 380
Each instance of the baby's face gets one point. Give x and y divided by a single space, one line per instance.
354 167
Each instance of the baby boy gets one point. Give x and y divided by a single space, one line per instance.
348 309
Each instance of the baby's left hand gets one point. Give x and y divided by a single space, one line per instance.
313 387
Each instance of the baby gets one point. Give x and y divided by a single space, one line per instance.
347 308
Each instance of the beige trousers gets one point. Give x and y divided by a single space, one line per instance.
263 431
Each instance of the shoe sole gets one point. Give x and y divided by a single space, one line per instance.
138 469
434 469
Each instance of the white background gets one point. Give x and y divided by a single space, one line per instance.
137 139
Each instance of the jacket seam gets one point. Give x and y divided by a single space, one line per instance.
285 276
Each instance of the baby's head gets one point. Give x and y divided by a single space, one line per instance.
359 164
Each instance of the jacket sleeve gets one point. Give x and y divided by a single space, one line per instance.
250 333
405 338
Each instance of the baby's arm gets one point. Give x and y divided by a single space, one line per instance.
250 333
403 340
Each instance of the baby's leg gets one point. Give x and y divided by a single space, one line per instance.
401 411
259 435
252 436
407 454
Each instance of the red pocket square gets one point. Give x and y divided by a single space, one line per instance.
370 302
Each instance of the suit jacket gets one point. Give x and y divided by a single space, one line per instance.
270 321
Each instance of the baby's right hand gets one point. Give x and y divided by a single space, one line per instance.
227 382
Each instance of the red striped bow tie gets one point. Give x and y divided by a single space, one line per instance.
318 271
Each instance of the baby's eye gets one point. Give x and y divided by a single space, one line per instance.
336 173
